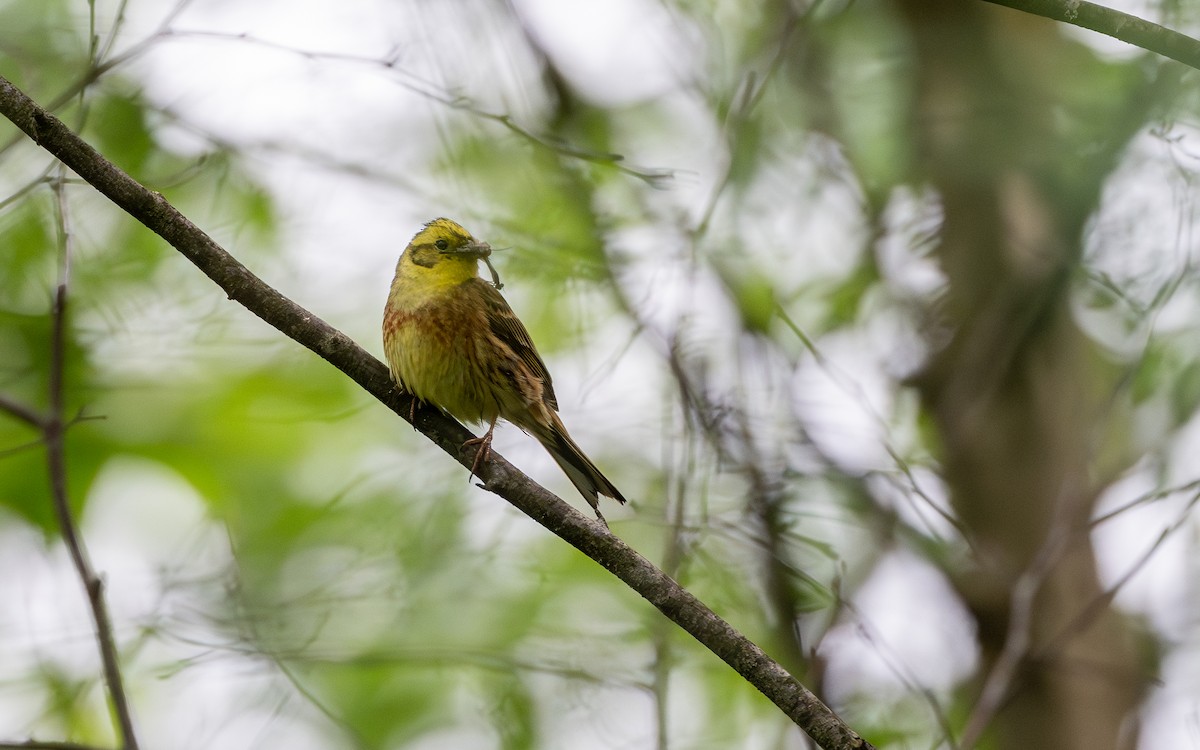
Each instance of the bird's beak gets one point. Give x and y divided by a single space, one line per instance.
475 249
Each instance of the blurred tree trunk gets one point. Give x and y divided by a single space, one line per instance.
1015 393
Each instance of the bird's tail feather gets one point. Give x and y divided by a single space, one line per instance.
576 465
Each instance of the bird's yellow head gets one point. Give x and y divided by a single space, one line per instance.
442 253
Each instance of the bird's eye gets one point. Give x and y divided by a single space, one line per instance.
441 244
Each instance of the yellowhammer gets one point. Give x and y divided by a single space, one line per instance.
451 340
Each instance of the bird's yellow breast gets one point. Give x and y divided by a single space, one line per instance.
433 340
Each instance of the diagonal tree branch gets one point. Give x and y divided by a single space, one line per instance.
40 745
151 209
1110 22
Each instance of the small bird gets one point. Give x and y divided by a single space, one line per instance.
451 340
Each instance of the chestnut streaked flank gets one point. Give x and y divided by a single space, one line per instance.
451 340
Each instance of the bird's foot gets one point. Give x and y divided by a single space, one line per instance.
485 450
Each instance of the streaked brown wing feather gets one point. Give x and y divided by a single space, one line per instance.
505 325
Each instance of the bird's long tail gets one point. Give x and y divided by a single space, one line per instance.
576 465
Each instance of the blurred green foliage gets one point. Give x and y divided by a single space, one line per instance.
382 591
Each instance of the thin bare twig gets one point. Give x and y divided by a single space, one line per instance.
54 432
1018 640
675 556
848 384
750 95
1093 609
28 187
1145 499
100 67
895 664
21 412
422 87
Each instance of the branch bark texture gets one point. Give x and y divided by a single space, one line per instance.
500 477
1130 29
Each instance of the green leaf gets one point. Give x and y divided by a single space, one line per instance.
117 126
